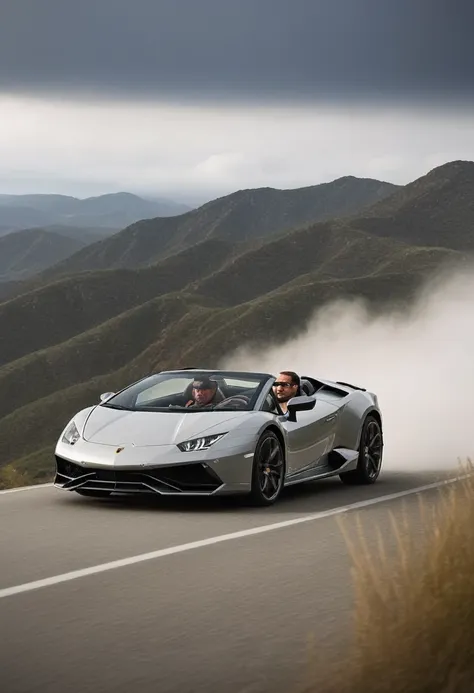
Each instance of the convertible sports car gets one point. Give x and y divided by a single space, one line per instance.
144 439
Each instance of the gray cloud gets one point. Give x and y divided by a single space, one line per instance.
245 49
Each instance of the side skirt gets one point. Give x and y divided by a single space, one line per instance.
338 461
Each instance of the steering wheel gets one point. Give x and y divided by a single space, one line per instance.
241 400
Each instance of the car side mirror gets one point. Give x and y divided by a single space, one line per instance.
106 395
300 403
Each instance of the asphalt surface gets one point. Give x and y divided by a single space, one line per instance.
235 615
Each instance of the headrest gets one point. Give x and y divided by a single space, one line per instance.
307 388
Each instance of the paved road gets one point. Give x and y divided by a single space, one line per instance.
233 615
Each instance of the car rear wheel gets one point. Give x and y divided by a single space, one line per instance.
268 472
370 455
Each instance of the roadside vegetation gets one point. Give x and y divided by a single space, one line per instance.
414 607
35 468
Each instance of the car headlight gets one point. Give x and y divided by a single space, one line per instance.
71 434
202 443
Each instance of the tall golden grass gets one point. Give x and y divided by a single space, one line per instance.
414 607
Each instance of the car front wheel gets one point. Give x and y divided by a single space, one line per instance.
268 472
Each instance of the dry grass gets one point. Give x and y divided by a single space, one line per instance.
414 611
11 477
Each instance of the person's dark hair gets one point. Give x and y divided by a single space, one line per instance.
295 378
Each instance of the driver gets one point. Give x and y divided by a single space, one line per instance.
205 393
286 386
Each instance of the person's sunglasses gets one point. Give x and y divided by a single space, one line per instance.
282 384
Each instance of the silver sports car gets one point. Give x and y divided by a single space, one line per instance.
147 439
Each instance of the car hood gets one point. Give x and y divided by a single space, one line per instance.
141 428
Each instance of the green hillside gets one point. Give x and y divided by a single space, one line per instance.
28 252
63 309
434 210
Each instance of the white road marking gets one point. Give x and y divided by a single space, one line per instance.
26 488
181 548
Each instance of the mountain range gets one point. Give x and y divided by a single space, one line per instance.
189 289
244 216
107 212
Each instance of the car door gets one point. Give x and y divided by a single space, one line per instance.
310 437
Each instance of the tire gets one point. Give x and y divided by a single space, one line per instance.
370 455
268 464
94 494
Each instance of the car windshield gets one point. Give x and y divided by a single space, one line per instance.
191 391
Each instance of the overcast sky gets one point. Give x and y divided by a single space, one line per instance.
200 97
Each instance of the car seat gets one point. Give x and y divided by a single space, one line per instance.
307 388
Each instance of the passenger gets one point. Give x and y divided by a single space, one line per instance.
205 393
286 386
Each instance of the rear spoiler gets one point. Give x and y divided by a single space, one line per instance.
354 387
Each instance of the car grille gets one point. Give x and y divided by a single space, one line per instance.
176 479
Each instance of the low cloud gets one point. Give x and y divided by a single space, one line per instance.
419 362
86 148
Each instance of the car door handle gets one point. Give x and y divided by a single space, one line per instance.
329 418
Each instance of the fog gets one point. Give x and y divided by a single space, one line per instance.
419 362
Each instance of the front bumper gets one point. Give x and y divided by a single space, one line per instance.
175 479
228 475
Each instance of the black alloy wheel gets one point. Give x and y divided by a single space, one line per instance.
268 473
370 455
